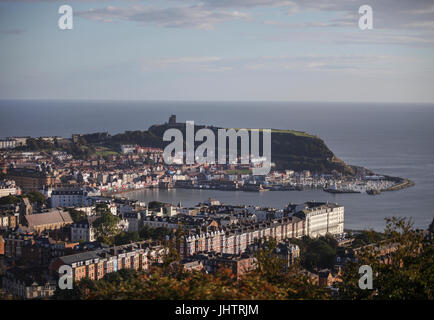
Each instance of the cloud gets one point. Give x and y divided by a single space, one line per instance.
389 14
185 64
205 14
248 3
348 64
196 16
403 22
309 24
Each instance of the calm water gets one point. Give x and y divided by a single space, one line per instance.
393 139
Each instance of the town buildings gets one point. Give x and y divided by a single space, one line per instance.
9 220
9 187
212 262
2 246
96 264
83 230
49 220
28 283
30 180
208 236
13 142
320 219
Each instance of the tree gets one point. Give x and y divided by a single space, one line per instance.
106 227
156 234
9 200
407 275
126 237
77 215
366 237
318 255
291 283
155 205
149 161
268 264
102 208
35 196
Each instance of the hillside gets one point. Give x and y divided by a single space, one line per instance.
289 149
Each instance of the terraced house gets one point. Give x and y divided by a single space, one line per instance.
96 264
236 239
310 219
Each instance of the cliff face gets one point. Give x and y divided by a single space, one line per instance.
289 149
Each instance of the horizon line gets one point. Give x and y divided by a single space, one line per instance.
217 101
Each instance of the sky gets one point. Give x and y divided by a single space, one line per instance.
229 50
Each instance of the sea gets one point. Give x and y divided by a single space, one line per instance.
389 138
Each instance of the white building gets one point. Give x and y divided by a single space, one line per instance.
89 211
6 191
82 231
322 218
8 187
165 211
69 198
126 148
8 144
134 221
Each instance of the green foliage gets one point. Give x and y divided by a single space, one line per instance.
144 138
155 234
170 257
37 144
101 208
78 291
106 227
149 161
409 275
9 200
317 253
126 237
121 275
291 150
269 265
35 196
77 215
153 205
80 150
177 285
365 237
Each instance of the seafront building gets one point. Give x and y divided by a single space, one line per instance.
321 218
